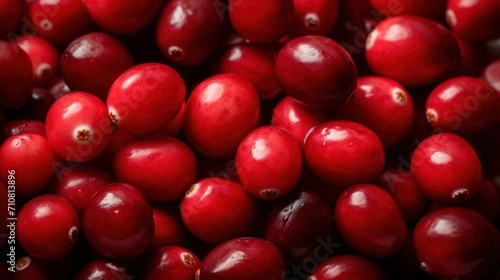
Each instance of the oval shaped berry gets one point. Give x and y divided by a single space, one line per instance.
474 20
44 58
172 262
104 269
314 17
348 267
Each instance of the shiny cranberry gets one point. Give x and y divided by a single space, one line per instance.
378 237
447 168
145 98
52 19
457 243
316 71
426 8
78 127
118 222
37 106
174 127
225 104
313 17
243 259
103 270
234 216
381 104
486 201
47 227
348 267
491 74
28 268
26 162
25 126
411 50
169 229
44 58
475 20
190 31
11 12
269 162
344 153
92 62
16 77
261 23
254 62
172 262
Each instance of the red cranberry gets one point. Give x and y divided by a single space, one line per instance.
383 105
37 106
105 270
269 162
457 243
26 162
378 237
29 268
190 31
44 58
447 168
234 216
316 71
476 20
313 17
348 267
78 127
261 23
174 127
411 50
25 126
92 62
58 88
491 74
169 229
473 58
344 153
225 104
486 201
118 222
16 76
243 259
48 227
425 8
11 12
172 262
145 98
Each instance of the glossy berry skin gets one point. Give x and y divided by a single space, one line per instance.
123 16
316 71
425 8
235 215
172 171
463 105
261 23
348 267
173 128
314 17
244 259
269 162
189 32
447 168
254 62
92 62
47 227
145 98
11 12
26 161
383 105
172 262
105 270
44 58
24 126
224 104
378 237
412 50
457 243
118 222
78 127
296 223
475 20
16 76
169 229
491 74
344 153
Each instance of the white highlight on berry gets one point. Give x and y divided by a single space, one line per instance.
235 54
451 18
440 158
370 40
358 199
307 54
333 134
449 93
395 33
260 150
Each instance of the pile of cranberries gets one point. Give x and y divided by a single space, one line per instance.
250 140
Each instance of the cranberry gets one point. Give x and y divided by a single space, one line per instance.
169 229
235 215
172 262
491 74
44 58
145 98
92 62
16 76
224 104
102 269
383 105
447 168
348 267
426 8
28 268
58 88
344 153
37 106
380 237
189 32
269 162
474 21
412 50
25 126
172 171
78 127
11 12
26 162
457 243
243 259
47 227
174 127
486 201
473 58
261 23
118 222
314 17
316 71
